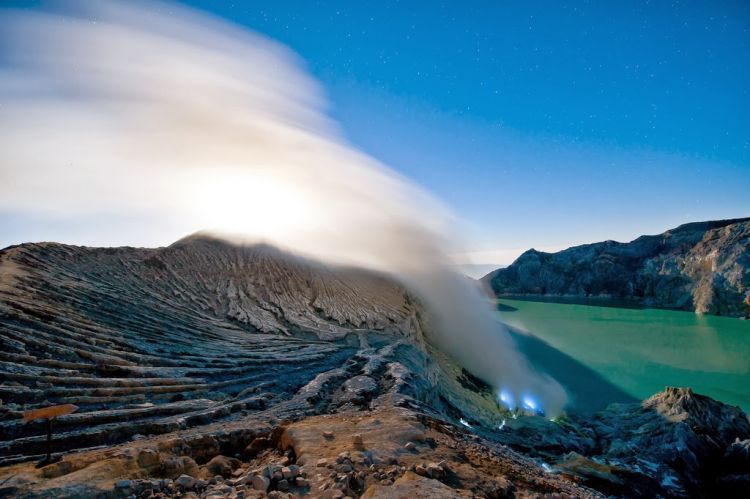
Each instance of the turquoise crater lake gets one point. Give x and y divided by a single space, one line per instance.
637 352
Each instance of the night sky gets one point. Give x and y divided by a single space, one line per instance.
540 125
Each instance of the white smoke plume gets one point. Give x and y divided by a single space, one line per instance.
191 123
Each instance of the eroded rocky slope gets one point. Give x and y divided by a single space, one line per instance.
148 341
213 370
703 266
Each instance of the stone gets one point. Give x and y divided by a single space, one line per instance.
410 446
357 440
57 469
222 465
268 470
412 486
148 458
185 481
261 483
434 470
327 434
290 472
321 463
357 389
283 485
123 484
301 482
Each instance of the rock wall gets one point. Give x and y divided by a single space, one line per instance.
703 266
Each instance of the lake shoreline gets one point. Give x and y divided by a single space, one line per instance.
636 350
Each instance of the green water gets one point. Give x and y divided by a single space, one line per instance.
643 350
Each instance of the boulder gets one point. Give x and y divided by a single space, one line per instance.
221 465
290 472
148 458
412 486
185 481
261 483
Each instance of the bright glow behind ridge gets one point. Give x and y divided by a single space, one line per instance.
194 124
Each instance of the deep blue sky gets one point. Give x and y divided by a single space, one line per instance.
543 125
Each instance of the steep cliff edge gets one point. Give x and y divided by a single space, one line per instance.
702 266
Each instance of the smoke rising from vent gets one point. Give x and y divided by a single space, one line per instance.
191 123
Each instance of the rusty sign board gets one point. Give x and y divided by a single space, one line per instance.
50 412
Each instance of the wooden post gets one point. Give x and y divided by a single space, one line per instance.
48 414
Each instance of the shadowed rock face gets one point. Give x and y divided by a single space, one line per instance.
205 359
703 266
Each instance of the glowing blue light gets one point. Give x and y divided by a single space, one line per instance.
530 403
463 422
507 399
502 425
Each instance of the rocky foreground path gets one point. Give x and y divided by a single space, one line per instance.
209 370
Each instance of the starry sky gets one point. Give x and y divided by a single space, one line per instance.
542 125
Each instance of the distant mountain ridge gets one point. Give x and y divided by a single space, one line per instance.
700 266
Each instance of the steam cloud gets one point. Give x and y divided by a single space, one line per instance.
166 113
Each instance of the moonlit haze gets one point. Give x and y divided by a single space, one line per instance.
188 123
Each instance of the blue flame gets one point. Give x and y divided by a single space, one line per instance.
507 399
530 403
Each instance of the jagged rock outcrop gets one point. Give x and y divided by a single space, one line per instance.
676 437
702 266
675 444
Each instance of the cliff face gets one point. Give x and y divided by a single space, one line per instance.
703 266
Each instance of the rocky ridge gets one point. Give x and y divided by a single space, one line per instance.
211 370
702 266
